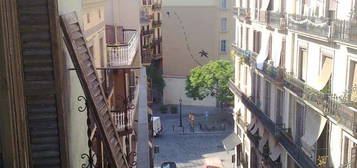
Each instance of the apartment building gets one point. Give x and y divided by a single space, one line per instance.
191 27
295 83
62 88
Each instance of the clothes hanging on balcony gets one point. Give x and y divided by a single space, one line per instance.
277 41
264 50
314 125
325 74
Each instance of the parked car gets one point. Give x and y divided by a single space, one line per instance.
168 165
156 126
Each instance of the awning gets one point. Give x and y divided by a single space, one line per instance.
314 125
263 141
263 53
277 41
264 5
231 142
325 74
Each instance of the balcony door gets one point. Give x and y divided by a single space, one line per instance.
300 122
302 64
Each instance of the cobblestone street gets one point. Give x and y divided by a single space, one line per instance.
189 148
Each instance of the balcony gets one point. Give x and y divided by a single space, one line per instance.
271 19
147 2
156 6
145 16
156 23
274 74
310 25
294 151
157 41
123 54
342 108
146 56
345 30
147 32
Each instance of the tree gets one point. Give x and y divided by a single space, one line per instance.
211 79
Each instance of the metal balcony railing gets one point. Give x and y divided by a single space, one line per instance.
156 6
148 32
125 119
147 2
157 40
275 74
146 56
242 14
123 54
276 19
338 107
345 30
310 25
156 23
275 129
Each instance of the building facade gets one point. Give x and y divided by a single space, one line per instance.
295 83
68 100
190 27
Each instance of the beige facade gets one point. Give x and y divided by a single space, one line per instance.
188 27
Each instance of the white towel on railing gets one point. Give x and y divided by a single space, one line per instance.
263 54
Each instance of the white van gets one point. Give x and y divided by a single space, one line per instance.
156 126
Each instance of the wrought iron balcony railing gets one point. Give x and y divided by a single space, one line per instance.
271 18
310 25
124 117
275 74
341 108
275 129
157 40
146 56
156 6
123 54
345 30
156 23
147 2
148 32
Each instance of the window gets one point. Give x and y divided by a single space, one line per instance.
224 4
267 98
300 122
224 24
91 50
241 37
349 153
353 81
258 91
279 106
223 46
302 64
88 18
247 39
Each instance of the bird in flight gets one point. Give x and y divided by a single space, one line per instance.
203 53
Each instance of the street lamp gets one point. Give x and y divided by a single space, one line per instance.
180 112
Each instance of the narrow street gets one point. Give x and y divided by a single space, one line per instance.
190 148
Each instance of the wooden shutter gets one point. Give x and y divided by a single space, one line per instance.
93 90
42 82
354 157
